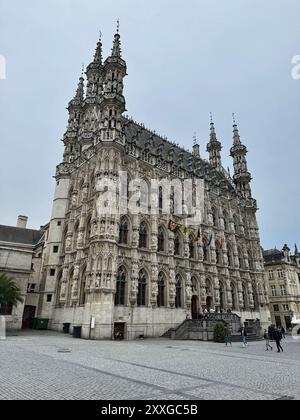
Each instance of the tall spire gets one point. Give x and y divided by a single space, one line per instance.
242 177
236 134
214 147
79 96
196 146
94 73
113 103
116 49
98 52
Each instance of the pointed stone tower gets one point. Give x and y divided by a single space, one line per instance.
75 109
242 177
113 103
214 148
94 74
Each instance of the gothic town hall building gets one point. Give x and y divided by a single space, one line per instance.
131 275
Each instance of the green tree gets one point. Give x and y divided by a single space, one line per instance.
219 333
10 294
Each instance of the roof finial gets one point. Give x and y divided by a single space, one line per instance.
211 118
118 25
195 139
100 36
82 70
233 117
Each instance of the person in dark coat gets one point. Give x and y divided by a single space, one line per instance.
271 331
244 337
278 338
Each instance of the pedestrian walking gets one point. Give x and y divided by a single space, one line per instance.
283 333
244 337
271 332
228 336
267 339
278 338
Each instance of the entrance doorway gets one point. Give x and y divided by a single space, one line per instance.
195 307
119 331
209 303
28 315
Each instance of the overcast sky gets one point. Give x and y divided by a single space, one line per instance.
186 58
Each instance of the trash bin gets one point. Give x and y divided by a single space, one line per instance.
41 324
66 328
33 324
77 332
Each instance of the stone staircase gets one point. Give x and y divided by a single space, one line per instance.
203 328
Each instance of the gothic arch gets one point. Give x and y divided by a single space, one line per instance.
121 286
82 295
124 230
162 283
179 298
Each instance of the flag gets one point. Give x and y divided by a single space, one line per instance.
210 240
173 227
198 236
185 230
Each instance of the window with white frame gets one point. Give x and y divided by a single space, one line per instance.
273 290
283 290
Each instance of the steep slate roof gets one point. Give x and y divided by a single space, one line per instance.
162 148
19 235
273 255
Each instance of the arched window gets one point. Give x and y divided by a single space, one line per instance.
230 256
121 286
172 201
244 296
225 218
143 235
160 199
178 298
241 258
141 297
233 296
192 247
222 296
161 291
161 240
82 287
255 297
123 233
177 244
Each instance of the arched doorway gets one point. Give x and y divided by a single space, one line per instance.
209 303
195 307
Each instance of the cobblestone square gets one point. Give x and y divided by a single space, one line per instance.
51 366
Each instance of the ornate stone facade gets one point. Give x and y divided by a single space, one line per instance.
132 273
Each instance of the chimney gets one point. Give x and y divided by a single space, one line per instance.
22 222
